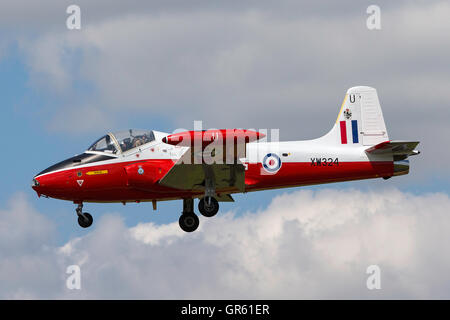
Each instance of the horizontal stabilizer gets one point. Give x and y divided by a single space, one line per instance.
397 148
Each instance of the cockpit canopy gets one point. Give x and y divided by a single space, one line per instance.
118 142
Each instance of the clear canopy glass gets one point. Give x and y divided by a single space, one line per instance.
104 144
126 140
133 138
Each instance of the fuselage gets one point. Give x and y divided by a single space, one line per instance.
134 175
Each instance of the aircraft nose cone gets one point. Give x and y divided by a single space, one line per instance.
44 185
36 185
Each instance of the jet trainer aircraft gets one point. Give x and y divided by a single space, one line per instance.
139 165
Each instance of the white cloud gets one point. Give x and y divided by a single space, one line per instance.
303 245
22 228
247 61
28 265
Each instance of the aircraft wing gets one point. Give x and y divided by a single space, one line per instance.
192 177
397 148
224 147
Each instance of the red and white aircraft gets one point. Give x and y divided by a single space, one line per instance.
138 165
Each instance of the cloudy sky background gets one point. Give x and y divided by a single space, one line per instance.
256 64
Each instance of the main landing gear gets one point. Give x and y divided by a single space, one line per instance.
208 207
188 221
84 218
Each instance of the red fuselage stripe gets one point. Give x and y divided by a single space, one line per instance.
122 181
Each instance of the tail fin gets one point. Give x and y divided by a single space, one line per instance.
360 120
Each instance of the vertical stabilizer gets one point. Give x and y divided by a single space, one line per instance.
360 120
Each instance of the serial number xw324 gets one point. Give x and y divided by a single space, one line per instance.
324 162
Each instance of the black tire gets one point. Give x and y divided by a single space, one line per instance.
85 220
189 222
208 210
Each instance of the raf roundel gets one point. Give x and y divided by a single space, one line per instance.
271 163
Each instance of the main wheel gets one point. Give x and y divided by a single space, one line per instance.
208 206
189 222
85 220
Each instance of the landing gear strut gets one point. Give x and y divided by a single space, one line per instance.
84 218
188 221
208 205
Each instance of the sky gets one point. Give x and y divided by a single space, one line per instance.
256 64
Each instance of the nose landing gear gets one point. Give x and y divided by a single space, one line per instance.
84 218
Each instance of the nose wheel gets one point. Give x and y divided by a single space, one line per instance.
84 218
